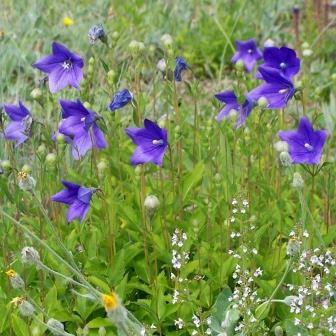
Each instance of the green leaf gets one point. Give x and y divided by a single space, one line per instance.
192 179
262 310
99 322
19 326
105 66
99 283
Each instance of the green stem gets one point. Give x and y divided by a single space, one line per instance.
50 250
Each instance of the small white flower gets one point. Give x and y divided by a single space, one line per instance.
179 323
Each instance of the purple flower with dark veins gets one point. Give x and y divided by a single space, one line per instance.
80 125
305 144
19 128
232 106
151 141
278 89
77 197
62 66
248 53
120 99
180 65
283 59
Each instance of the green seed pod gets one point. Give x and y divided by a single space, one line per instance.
87 105
262 102
101 167
102 331
6 165
26 309
115 35
60 139
167 41
91 61
137 170
36 93
240 66
55 326
278 331
41 150
298 182
51 159
26 169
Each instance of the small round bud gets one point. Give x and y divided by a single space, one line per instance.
41 150
17 282
152 49
60 138
136 46
102 166
26 168
218 178
298 182
289 300
151 202
281 146
55 327
91 61
162 65
29 255
296 9
305 45
36 93
278 331
15 279
111 75
269 43
137 170
90 70
86 331
240 66
285 159
298 84
177 130
25 181
293 247
102 331
307 52
333 77
262 102
6 165
51 159
115 35
87 105
96 33
26 309
167 40
318 91
162 122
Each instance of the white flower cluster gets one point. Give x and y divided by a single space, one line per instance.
312 303
238 207
245 297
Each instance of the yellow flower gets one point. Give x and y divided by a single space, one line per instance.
17 300
10 273
67 21
110 302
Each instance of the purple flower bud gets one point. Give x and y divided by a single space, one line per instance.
120 99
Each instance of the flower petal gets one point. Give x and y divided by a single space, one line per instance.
77 209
